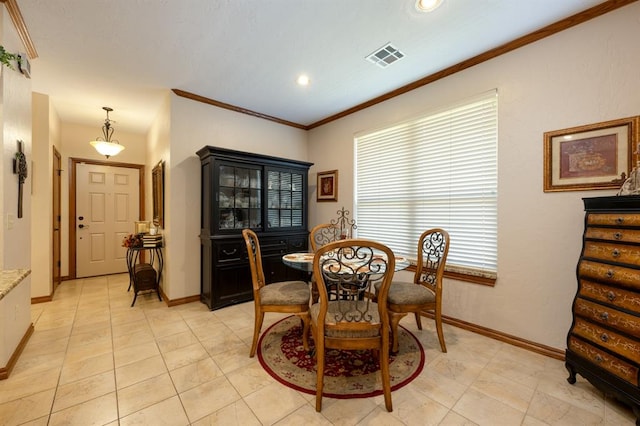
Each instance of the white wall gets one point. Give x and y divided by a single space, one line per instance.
15 121
194 125
583 75
41 198
158 141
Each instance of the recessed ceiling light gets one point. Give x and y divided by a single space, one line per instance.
427 5
303 80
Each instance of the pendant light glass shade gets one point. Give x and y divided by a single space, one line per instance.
106 146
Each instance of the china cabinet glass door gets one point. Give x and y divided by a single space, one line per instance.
284 199
239 197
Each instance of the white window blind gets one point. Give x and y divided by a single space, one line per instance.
439 170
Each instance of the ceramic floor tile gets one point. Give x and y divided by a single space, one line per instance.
145 394
234 414
249 379
554 411
504 390
27 408
274 402
73 371
455 419
83 390
207 398
346 412
98 411
411 407
195 374
90 327
140 371
233 359
19 386
485 410
131 354
185 356
168 412
176 341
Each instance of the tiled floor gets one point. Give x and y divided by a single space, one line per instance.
94 360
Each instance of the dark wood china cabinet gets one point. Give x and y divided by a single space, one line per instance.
603 344
244 190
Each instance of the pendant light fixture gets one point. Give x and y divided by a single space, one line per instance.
105 145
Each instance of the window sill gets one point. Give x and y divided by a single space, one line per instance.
460 276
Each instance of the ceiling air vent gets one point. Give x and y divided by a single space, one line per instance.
385 56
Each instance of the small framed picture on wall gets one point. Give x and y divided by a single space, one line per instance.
327 186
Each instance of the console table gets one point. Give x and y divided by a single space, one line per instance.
144 276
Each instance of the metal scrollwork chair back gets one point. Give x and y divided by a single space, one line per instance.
348 269
424 295
286 297
323 234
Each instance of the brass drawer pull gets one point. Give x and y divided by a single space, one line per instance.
604 337
609 273
229 253
615 253
620 220
598 358
604 316
611 296
617 235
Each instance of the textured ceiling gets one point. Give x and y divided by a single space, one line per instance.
127 53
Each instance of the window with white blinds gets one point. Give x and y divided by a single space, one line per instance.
439 170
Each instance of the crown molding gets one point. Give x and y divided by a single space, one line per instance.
21 27
566 23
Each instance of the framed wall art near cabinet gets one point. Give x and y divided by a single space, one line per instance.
595 156
327 186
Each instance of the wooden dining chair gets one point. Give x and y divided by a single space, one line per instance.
423 296
323 234
285 297
350 268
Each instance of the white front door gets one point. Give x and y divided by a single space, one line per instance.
107 205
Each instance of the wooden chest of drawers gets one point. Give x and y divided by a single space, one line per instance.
603 344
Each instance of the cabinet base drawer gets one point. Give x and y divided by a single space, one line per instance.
608 362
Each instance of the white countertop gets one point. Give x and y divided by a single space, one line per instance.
10 278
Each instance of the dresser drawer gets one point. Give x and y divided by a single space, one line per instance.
605 360
608 339
614 234
629 324
612 252
619 275
611 295
613 219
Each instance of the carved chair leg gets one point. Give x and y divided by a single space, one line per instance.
305 330
443 346
386 380
320 374
256 331
394 319
418 320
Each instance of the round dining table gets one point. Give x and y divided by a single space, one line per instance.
304 261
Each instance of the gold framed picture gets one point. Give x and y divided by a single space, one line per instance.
595 156
327 186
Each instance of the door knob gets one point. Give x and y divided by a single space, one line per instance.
83 226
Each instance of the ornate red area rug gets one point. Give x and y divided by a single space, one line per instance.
348 374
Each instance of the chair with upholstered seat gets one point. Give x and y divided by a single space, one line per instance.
285 297
349 268
423 296
323 234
